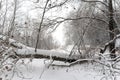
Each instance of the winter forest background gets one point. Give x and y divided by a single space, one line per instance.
59 39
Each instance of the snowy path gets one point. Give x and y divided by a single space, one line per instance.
33 70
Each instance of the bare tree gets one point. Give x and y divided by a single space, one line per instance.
12 24
41 25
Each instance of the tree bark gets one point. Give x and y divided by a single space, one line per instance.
112 26
41 56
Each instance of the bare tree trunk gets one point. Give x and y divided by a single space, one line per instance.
12 24
112 27
39 30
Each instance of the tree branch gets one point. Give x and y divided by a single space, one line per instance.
108 43
96 2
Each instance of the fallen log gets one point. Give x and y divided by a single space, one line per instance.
22 51
47 54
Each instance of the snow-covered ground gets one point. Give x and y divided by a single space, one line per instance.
38 70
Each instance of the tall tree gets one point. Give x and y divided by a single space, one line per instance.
112 27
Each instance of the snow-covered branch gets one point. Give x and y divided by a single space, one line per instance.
108 43
11 42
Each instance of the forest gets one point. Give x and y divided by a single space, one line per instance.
59 39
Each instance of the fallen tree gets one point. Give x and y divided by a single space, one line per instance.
53 55
17 51
23 51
